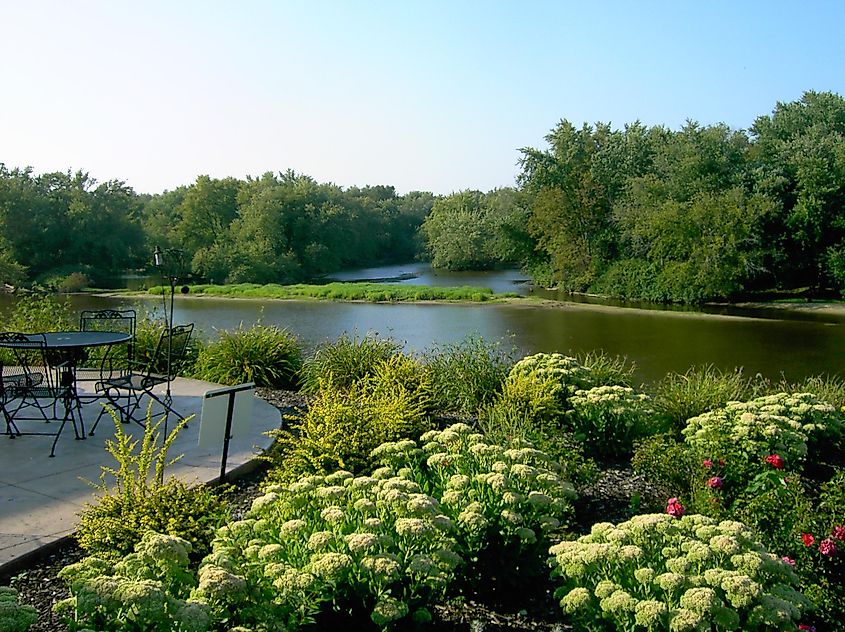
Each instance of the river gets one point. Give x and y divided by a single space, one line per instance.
658 340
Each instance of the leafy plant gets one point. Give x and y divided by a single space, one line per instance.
342 426
660 572
467 374
15 617
608 370
266 355
346 360
608 419
138 499
679 397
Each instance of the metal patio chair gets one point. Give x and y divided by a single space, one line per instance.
125 392
33 384
105 363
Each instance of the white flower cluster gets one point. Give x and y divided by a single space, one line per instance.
678 574
373 535
564 369
618 400
518 490
775 424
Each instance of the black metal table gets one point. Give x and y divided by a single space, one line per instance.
65 349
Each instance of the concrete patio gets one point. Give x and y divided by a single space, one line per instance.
40 496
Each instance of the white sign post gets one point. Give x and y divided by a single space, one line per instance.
225 417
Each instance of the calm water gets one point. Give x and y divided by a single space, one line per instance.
657 340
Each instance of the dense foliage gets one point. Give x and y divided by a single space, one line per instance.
67 231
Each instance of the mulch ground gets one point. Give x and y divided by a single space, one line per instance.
616 495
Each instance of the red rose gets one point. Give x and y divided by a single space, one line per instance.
827 547
674 508
807 539
775 461
839 532
707 463
807 628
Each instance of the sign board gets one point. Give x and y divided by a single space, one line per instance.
215 410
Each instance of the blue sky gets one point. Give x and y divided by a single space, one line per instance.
423 95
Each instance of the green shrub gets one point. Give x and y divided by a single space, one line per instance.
148 589
679 397
15 617
820 565
607 370
346 360
504 498
468 374
73 282
342 426
33 312
401 374
608 419
266 355
140 500
657 572
667 464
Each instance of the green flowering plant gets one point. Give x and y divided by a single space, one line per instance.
656 572
15 617
781 424
505 500
569 374
368 547
148 589
610 418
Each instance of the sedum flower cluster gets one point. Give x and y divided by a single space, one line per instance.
378 544
565 370
656 572
149 589
15 617
609 418
779 424
515 493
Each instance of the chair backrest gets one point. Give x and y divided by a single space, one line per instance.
122 320
174 341
30 352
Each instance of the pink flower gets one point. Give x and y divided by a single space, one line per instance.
674 508
788 560
715 483
827 547
808 628
775 461
839 532
707 463
808 539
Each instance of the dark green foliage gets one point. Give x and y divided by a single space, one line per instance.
266 355
346 360
467 374
668 464
679 397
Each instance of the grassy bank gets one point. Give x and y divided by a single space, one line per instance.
371 292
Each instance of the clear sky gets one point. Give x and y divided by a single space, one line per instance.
420 94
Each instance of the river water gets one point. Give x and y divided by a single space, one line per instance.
773 343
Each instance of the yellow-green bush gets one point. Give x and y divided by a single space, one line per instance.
342 426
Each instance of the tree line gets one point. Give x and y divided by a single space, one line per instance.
700 213
651 213
282 228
